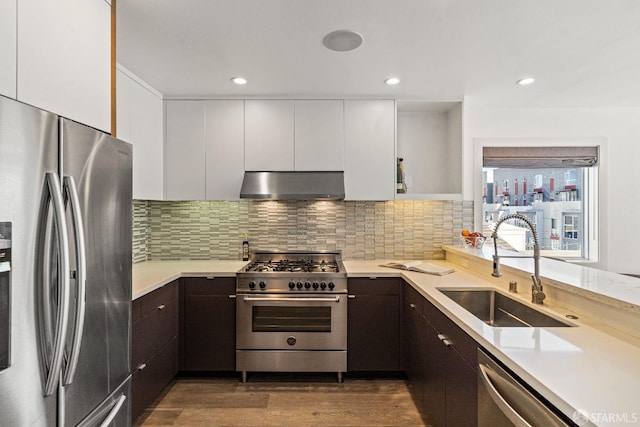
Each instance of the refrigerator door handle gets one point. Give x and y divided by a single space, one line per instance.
71 194
114 411
52 348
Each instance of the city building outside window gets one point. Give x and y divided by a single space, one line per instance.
554 188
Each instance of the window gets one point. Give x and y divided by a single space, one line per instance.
552 186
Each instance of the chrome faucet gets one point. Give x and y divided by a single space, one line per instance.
537 296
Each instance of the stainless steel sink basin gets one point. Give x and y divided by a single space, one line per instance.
497 309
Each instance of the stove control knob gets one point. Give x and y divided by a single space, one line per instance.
263 285
331 285
315 285
292 285
252 284
307 285
323 285
299 285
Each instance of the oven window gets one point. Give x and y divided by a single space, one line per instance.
291 319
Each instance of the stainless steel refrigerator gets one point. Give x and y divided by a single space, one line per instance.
65 276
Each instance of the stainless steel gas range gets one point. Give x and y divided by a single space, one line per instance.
291 313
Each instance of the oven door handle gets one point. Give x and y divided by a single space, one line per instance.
290 299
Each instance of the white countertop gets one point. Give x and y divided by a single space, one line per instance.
151 275
575 368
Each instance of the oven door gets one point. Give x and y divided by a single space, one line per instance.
286 322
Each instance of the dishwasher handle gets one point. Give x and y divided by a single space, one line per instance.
499 400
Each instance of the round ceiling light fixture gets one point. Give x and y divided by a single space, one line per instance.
239 80
526 81
342 40
392 81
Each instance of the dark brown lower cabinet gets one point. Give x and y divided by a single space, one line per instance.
209 324
154 357
374 325
441 363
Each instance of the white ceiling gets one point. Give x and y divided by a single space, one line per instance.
582 52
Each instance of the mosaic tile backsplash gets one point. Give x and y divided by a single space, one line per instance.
361 230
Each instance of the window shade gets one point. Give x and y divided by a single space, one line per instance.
539 157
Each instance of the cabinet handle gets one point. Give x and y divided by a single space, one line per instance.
161 307
351 296
232 297
413 306
141 366
210 277
446 341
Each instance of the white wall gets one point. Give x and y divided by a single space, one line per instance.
616 130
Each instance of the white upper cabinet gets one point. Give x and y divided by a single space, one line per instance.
140 119
369 172
224 142
8 37
269 135
429 139
64 58
185 162
319 135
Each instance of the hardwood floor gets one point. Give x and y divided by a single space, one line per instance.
283 400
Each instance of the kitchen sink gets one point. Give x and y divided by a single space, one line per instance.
497 309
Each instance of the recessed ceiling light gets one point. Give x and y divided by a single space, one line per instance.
239 80
526 81
392 81
342 40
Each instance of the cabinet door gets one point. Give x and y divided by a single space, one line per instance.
413 348
140 121
269 135
8 37
374 325
64 59
434 375
209 325
369 172
319 135
185 150
224 142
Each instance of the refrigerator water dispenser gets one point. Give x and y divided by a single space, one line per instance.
5 294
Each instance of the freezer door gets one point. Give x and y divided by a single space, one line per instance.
28 150
114 411
100 168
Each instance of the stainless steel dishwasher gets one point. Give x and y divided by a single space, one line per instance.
504 401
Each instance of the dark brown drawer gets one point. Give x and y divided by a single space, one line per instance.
147 383
212 286
463 343
162 296
154 330
378 286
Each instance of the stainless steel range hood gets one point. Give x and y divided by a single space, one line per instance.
293 185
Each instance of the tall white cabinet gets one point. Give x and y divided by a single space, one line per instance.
204 146
185 162
224 146
319 135
269 135
8 38
140 121
64 58
369 172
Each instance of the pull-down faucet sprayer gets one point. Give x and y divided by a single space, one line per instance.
537 296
